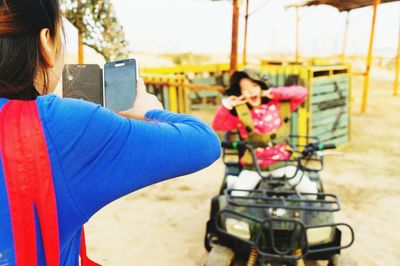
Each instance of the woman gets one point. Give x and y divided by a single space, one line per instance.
264 105
65 159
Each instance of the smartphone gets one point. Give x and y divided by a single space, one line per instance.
83 81
120 84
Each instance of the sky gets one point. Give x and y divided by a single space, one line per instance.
203 26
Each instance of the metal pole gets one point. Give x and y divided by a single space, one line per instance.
369 59
245 33
396 80
346 29
297 34
81 57
235 35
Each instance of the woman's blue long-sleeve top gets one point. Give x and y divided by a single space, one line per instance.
97 157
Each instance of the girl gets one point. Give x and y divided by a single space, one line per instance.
264 107
62 160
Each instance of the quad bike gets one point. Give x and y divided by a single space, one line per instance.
274 223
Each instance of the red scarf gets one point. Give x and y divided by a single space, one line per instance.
29 182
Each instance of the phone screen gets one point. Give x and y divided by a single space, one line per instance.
83 82
120 84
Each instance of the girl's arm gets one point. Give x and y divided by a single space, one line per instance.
295 94
224 120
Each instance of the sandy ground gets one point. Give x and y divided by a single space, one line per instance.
164 224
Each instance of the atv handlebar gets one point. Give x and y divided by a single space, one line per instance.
312 148
328 146
303 157
233 144
242 144
250 147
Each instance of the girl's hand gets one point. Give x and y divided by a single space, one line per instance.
144 102
235 100
268 94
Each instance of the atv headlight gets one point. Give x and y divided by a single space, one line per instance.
237 228
277 212
320 235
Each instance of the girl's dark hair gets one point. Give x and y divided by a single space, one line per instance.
234 87
21 55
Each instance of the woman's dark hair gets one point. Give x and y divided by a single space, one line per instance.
21 55
234 87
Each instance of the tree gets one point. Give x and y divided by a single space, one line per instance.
98 26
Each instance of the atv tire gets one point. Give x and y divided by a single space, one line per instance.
219 256
342 260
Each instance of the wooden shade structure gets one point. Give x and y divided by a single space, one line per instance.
346 5
341 5
354 4
235 33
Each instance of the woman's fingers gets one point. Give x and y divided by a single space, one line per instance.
140 86
144 102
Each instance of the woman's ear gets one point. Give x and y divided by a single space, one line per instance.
47 47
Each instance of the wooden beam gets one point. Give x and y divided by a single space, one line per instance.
81 56
235 35
346 31
396 80
297 34
369 59
245 34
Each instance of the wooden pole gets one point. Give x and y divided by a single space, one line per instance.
235 35
245 33
81 57
369 59
396 80
297 34
346 30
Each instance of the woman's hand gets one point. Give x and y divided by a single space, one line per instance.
268 94
144 102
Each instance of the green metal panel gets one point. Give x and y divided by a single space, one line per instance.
192 95
225 79
281 79
208 93
294 127
332 120
329 107
150 89
273 79
330 79
204 81
320 115
334 140
329 87
165 97
328 130
317 108
327 97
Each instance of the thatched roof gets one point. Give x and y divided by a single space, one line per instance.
345 5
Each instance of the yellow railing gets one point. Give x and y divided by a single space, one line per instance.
173 90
